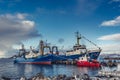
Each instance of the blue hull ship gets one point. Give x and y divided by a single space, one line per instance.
46 59
40 57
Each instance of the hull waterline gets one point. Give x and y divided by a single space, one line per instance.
87 64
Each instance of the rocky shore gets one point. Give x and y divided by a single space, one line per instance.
40 76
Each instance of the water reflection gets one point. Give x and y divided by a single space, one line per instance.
52 70
28 70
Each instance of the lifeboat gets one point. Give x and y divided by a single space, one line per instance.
85 62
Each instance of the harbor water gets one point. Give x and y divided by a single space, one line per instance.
9 69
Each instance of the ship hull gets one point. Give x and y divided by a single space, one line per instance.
39 62
88 64
48 59
94 55
45 59
72 57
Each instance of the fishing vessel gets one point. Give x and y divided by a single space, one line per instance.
81 50
37 57
40 57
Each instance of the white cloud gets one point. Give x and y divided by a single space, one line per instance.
116 0
28 23
115 22
13 29
112 37
21 16
15 16
111 48
2 53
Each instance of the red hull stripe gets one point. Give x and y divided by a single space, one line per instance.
87 64
36 62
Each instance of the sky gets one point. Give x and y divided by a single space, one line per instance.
56 21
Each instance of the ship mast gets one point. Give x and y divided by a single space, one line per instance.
78 37
22 47
41 47
77 46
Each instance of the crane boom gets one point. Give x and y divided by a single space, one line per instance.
91 42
